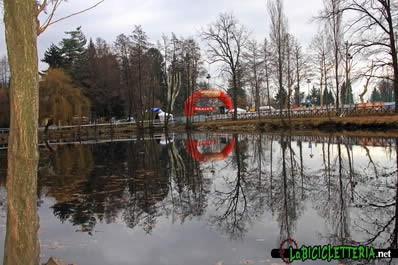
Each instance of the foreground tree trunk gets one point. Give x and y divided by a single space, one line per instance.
21 243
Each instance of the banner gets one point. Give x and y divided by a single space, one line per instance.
210 93
195 108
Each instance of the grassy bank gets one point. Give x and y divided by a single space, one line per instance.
371 124
379 126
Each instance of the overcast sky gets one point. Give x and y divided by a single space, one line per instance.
183 17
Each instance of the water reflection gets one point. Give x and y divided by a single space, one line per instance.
239 194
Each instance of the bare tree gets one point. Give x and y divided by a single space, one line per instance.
332 15
172 69
267 66
368 76
226 39
320 47
278 41
374 32
192 62
254 60
301 68
140 70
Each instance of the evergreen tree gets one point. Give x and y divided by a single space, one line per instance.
54 57
331 99
346 97
298 97
375 96
73 47
325 97
280 98
386 90
315 96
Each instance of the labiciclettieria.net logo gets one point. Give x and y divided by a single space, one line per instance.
329 252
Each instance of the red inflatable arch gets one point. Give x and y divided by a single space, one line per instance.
189 108
192 149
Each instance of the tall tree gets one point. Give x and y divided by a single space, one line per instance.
374 25
320 60
73 48
332 15
141 69
278 39
226 39
21 243
191 70
254 57
173 69
300 69
22 28
267 68
122 48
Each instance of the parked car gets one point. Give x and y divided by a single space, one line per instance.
266 108
238 110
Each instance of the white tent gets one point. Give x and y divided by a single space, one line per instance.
163 116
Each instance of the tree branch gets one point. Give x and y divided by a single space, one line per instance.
50 22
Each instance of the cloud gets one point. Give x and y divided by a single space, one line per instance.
185 18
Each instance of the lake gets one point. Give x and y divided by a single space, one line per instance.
212 198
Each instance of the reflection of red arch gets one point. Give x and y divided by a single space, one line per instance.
189 108
192 149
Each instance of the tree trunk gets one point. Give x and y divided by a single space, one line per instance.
235 95
21 243
394 57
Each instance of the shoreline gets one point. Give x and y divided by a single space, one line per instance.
364 126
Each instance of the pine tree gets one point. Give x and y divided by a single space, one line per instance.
331 99
346 96
54 57
73 47
386 90
375 96
281 98
315 96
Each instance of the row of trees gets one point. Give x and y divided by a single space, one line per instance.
119 80
356 41
132 74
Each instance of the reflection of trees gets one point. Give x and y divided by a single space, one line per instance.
333 205
137 182
140 182
189 188
359 207
285 200
378 207
233 204
65 169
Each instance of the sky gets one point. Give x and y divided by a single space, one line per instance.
184 18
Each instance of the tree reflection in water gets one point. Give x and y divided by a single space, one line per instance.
137 182
350 187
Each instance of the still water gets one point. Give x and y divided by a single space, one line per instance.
212 199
